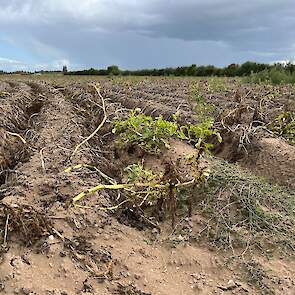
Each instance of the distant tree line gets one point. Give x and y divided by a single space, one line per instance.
259 71
232 70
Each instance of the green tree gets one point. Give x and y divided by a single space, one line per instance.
113 70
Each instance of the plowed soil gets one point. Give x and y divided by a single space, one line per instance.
50 247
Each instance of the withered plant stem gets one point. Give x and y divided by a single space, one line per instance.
100 125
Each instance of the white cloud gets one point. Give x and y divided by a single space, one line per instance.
11 64
17 65
6 61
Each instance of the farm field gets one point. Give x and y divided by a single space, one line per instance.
120 185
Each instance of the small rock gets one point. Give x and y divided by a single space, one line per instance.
62 254
180 238
137 276
26 291
231 285
196 276
87 287
51 238
155 231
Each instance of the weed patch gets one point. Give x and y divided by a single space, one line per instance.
272 76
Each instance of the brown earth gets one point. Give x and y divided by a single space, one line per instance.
49 248
274 159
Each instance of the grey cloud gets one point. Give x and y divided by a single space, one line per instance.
244 24
148 33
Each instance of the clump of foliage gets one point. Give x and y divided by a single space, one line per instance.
165 191
153 135
136 173
244 210
276 75
284 125
149 133
145 191
113 70
154 193
216 84
204 110
4 94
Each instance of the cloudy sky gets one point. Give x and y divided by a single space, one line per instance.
46 34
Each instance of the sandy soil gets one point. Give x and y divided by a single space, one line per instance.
50 248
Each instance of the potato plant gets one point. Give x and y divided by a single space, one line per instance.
152 135
284 125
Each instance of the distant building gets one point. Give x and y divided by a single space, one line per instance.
65 69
